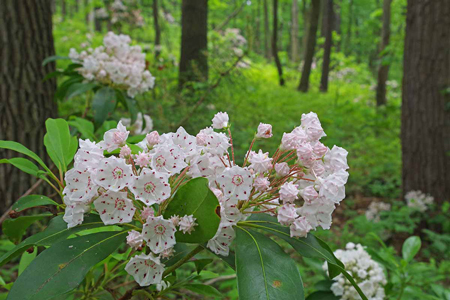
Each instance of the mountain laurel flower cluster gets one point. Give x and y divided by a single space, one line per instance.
367 273
374 210
418 200
300 183
115 63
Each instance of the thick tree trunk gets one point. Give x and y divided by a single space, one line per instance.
274 42
157 28
310 46
25 100
383 69
194 27
294 31
267 31
425 111
328 30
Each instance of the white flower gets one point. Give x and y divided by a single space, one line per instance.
261 184
418 200
318 213
187 224
136 128
333 186
114 138
214 142
79 185
282 169
88 155
186 142
113 174
115 207
289 141
168 159
300 227
220 120
229 210
134 239
151 187
288 192
264 131
336 159
260 162
320 149
146 269
74 213
236 182
309 194
220 243
287 214
304 151
312 126
159 234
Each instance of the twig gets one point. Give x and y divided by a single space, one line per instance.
221 278
228 19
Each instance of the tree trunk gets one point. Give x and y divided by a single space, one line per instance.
87 11
383 69
349 28
258 28
194 29
267 30
274 42
26 101
328 30
294 31
76 5
425 112
310 46
157 28
63 9
305 28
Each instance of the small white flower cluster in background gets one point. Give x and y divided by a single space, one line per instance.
418 200
367 273
374 210
138 127
115 63
300 184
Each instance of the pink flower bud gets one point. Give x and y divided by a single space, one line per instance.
309 194
147 212
134 239
264 131
320 149
142 159
125 152
261 184
282 169
220 120
152 138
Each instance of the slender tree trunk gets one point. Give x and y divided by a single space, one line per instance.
305 28
26 101
258 28
349 28
97 20
328 28
157 28
425 111
311 45
267 30
193 59
77 5
274 42
383 70
294 31
87 11
63 9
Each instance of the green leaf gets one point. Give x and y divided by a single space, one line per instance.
323 285
55 232
53 58
264 270
195 198
202 289
129 103
181 250
230 260
200 264
18 147
15 228
22 164
64 87
411 247
321 295
78 89
32 201
103 104
62 267
52 75
61 147
85 127
26 260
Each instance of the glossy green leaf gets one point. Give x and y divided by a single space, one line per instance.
129 103
32 201
195 198
53 58
202 289
26 260
322 295
61 147
103 104
79 88
15 228
264 270
200 264
22 164
62 267
55 232
85 127
61 92
230 260
18 147
181 250
411 247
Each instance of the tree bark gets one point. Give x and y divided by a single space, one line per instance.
194 27
349 28
425 111
25 100
258 28
157 28
274 42
267 30
310 46
328 31
305 13
63 9
383 69
294 31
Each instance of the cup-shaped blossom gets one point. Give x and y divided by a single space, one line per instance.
229 210
115 208
336 159
113 174
312 126
168 159
264 131
318 213
332 187
146 269
260 162
74 213
115 138
159 234
186 142
220 120
288 192
286 214
79 185
216 143
236 182
88 155
220 243
300 227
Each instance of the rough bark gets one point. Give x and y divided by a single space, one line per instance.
328 31
274 42
25 100
193 59
267 51
294 31
156 28
425 104
383 69
310 46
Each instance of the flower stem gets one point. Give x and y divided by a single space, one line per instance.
183 260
